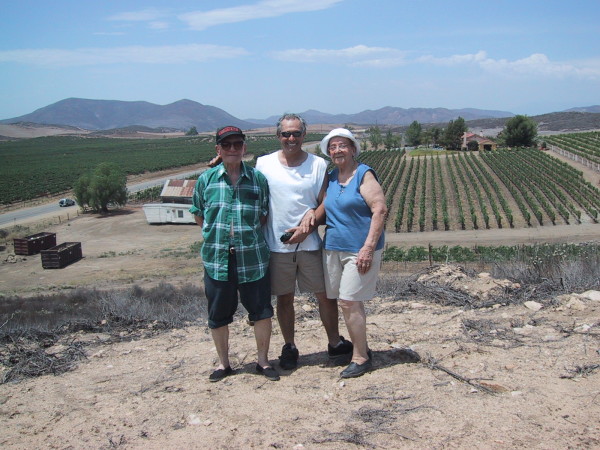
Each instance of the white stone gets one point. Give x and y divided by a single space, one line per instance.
575 304
307 308
534 306
193 419
591 295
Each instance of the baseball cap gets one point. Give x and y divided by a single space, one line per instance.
223 132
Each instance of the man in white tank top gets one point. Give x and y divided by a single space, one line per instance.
296 184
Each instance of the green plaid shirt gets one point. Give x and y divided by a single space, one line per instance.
224 208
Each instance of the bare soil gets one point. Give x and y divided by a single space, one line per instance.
499 377
504 376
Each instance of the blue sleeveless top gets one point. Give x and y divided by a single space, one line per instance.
348 215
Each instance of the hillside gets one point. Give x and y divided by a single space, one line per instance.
394 116
85 114
110 114
552 122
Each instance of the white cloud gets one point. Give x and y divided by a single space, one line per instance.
359 55
157 25
145 15
167 54
200 20
536 64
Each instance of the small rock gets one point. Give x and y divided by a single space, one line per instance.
416 305
307 308
575 304
193 419
591 295
534 306
583 328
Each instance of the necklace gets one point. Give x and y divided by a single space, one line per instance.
343 186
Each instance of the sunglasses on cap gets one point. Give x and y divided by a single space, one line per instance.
287 134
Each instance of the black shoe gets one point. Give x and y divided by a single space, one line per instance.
356 370
340 352
289 357
219 374
269 372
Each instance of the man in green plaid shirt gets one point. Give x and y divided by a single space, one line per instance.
231 203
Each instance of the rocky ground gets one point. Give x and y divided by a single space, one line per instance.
493 371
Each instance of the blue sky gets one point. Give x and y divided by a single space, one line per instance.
257 58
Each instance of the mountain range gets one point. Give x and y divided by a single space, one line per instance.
184 114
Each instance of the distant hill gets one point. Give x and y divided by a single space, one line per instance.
590 109
95 115
111 114
393 116
557 121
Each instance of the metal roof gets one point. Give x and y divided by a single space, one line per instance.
178 188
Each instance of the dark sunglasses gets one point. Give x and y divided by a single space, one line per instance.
291 133
238 145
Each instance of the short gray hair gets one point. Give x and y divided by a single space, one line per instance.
291 116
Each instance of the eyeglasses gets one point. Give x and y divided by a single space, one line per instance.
238 145
338 147
287 134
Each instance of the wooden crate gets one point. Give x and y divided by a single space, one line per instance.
61 255
35 243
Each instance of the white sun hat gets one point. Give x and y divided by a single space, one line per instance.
339 132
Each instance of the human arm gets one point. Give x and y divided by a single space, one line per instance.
312 218
199 219
371 191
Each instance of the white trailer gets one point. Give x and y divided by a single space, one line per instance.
168 213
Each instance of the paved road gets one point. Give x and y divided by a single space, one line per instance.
29 214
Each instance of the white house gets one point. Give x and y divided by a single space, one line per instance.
177 199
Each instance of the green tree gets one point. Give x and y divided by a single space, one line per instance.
454 133
391 140
435 133
520 131
414 134
192 132
81 188
107 184
375 136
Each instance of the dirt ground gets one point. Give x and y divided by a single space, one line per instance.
500 377
507 376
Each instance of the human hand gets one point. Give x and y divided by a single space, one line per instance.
308 221
298 235
364 260
215 161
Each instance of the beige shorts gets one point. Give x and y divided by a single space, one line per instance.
343 280
307 270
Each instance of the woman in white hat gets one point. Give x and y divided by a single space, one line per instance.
355 212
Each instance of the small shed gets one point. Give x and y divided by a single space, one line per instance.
168 213
176 198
